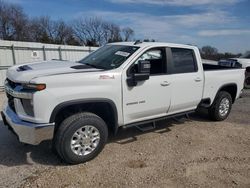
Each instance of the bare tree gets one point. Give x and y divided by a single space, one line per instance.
13 22
63 33
96 32
48 31
209 51
128 33
112 32
90 30
42 29
148 40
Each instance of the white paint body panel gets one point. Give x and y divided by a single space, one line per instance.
187 88
151 99
214 80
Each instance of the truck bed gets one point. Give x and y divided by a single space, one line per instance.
209 65
216 77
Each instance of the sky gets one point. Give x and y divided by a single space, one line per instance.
224 24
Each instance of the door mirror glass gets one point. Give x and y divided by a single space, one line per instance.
143 66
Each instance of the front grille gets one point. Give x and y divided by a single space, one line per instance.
12 92
11 102
12 84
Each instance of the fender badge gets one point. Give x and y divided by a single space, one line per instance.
105 77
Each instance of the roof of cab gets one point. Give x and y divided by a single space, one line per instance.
154 44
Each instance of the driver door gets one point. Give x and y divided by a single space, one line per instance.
150 98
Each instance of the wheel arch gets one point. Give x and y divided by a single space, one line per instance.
110 116
247 78
231 88
248 70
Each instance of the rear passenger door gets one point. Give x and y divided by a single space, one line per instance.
186 80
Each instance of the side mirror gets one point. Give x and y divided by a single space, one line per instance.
142 73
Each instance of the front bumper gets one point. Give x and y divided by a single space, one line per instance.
27 132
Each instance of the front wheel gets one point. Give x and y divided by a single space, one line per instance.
81 137
221 106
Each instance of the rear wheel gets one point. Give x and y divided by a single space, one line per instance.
247 82
221 106
81 137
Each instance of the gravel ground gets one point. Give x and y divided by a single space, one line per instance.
191 152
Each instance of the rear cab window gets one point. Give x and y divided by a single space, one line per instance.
183 61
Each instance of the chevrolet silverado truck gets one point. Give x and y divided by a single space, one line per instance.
77 104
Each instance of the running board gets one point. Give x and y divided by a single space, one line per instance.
140 124
144 128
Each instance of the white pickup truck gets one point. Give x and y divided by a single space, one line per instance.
76 104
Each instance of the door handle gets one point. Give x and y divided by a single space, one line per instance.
197 79
165 83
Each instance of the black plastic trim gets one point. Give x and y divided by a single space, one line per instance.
83 66
226 85
158 119
85 101
205 103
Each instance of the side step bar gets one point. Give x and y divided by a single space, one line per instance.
144 128
141 125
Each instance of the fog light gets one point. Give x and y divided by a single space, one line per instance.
28 106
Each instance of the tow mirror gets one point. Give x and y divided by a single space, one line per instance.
142 73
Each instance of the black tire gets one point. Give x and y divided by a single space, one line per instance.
247 82
214 112
69 126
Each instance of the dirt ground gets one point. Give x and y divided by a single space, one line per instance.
191 152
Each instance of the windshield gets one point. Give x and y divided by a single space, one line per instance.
246 55
109 56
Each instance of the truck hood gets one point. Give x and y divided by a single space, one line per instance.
26 72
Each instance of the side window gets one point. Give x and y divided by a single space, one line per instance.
157 59
183 60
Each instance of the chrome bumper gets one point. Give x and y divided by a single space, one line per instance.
27 132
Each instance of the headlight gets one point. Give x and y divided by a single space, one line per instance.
35 87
